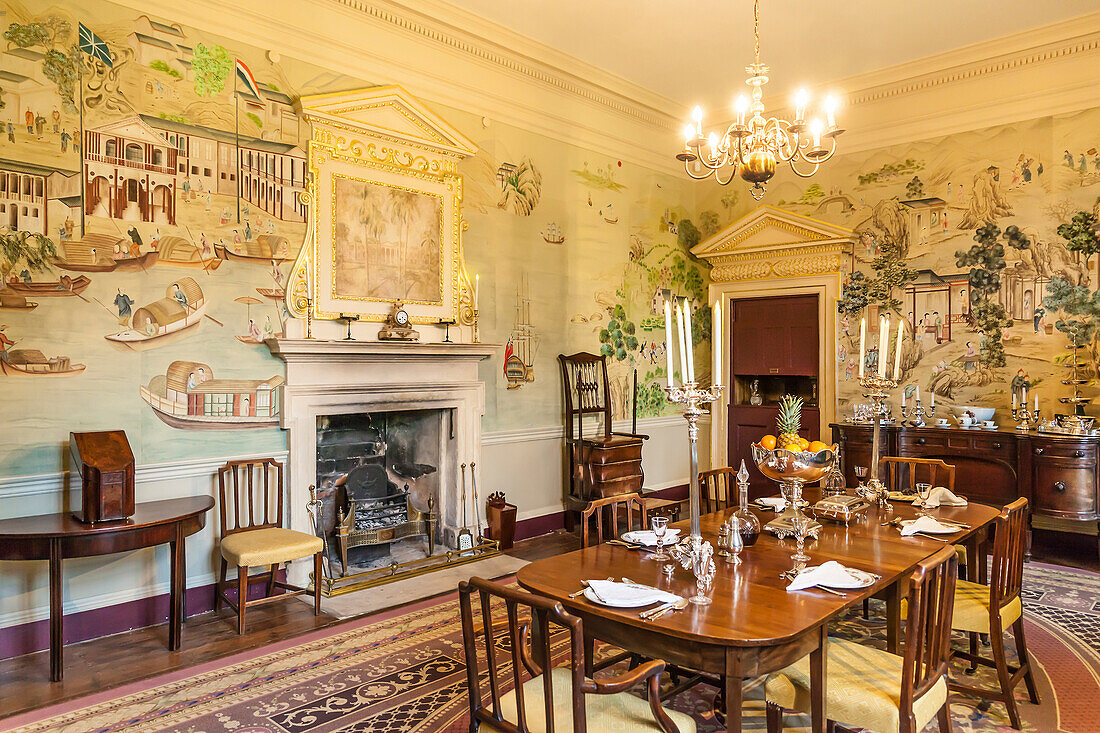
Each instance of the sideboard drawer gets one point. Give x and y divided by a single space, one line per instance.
1064 489
1084 452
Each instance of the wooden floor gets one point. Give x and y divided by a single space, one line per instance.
101 664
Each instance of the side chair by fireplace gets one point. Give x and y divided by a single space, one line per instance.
250 496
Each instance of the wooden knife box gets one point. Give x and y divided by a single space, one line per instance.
101 476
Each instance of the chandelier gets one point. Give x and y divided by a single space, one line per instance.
753 147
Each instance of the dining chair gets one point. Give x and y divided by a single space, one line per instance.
718 489
528 630
872 688
252 535
605 514
903 472
991 609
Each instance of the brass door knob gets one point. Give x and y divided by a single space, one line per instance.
1059 486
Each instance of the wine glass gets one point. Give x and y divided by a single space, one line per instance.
923 491
659 525
800 524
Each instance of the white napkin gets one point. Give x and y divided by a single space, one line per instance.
648 537
612 592
925 524
777 503
830 573
941 496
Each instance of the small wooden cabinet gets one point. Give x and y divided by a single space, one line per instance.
1058 474
775 336
748 424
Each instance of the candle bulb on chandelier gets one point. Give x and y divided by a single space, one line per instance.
689 135
741 106
697 116
712 143
670 344
830 111
816 128
801 99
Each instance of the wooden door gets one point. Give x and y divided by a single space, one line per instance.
775 336
747 425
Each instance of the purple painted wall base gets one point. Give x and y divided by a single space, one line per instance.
35 636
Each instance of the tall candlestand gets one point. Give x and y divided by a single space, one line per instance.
693 397
1025 417
916 414
877 389
473 323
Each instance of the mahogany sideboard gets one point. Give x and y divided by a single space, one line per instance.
1057 473
54 537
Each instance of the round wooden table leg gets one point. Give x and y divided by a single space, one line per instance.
178 588
733 690
57 602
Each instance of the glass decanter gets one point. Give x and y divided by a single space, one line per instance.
833 483
754 393
743 521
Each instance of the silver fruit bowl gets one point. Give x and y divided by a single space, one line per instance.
792 470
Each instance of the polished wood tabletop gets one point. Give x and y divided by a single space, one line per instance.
754 625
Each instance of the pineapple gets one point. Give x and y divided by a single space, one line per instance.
789 421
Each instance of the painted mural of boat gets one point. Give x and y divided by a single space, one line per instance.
609 215
97 253
272 293
263 250
552 234
180 252
33 363
519 355
188 397
168 315
15 302
252 341
61 287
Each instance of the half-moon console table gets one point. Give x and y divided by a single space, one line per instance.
1057 473
55 537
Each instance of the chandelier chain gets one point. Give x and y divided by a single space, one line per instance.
756 27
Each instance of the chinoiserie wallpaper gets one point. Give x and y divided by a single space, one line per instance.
148 216
986 243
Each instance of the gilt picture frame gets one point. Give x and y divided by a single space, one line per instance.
387 222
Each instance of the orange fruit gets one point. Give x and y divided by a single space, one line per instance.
768 442
817 446
804 443
793 447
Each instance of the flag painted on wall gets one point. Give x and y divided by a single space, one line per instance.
248 80
93 45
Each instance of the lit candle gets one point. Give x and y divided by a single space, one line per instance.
742 106
683 349
903 397
830 111
712 143
716 340
670 344
1036 403
918 394
816 128
1024 397
862 344
932 400
897 349
697 116
801 99
1013 400
883 331
690 346
689 135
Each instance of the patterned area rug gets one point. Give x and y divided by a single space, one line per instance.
403 672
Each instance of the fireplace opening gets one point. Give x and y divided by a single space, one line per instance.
379 476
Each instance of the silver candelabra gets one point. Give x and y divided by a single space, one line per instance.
1025 417
876 389
693 397
916 414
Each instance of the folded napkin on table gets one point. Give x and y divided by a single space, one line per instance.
777 503
609 591
831 573
648 537
926 524
941 496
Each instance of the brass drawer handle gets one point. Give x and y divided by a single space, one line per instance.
1038 451
920 441
1059 486
1078 454
996 446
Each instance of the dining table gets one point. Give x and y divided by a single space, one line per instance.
754 625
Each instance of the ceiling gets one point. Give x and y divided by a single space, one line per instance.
695 51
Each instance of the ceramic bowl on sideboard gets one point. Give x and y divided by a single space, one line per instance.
981 414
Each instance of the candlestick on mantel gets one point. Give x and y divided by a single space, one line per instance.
862 344
670 343
716 341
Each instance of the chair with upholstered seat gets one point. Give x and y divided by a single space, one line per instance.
992 609
524 627
874 689
252 535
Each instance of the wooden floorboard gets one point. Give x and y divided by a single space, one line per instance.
108 662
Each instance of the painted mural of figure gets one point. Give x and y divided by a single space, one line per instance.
253 330
842 353
269 329
224 218
135 235
5 342
40 127
26 274
191 381
849 368
1025 168
970 363
1019 383
179 295
56 117
29 117
186 188
65 138
202 375
937 321
11 132
247 231
871 361
236 237
1069 158
1037 317
154 241
125 304
69 227
1083 166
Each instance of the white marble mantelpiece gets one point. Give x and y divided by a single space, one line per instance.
329 377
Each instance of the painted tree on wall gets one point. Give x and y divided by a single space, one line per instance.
986 260
211 66
34 251
59 62
1078 304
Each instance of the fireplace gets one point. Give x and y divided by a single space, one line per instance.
341 402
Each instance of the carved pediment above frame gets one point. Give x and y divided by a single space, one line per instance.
385 209
772 243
